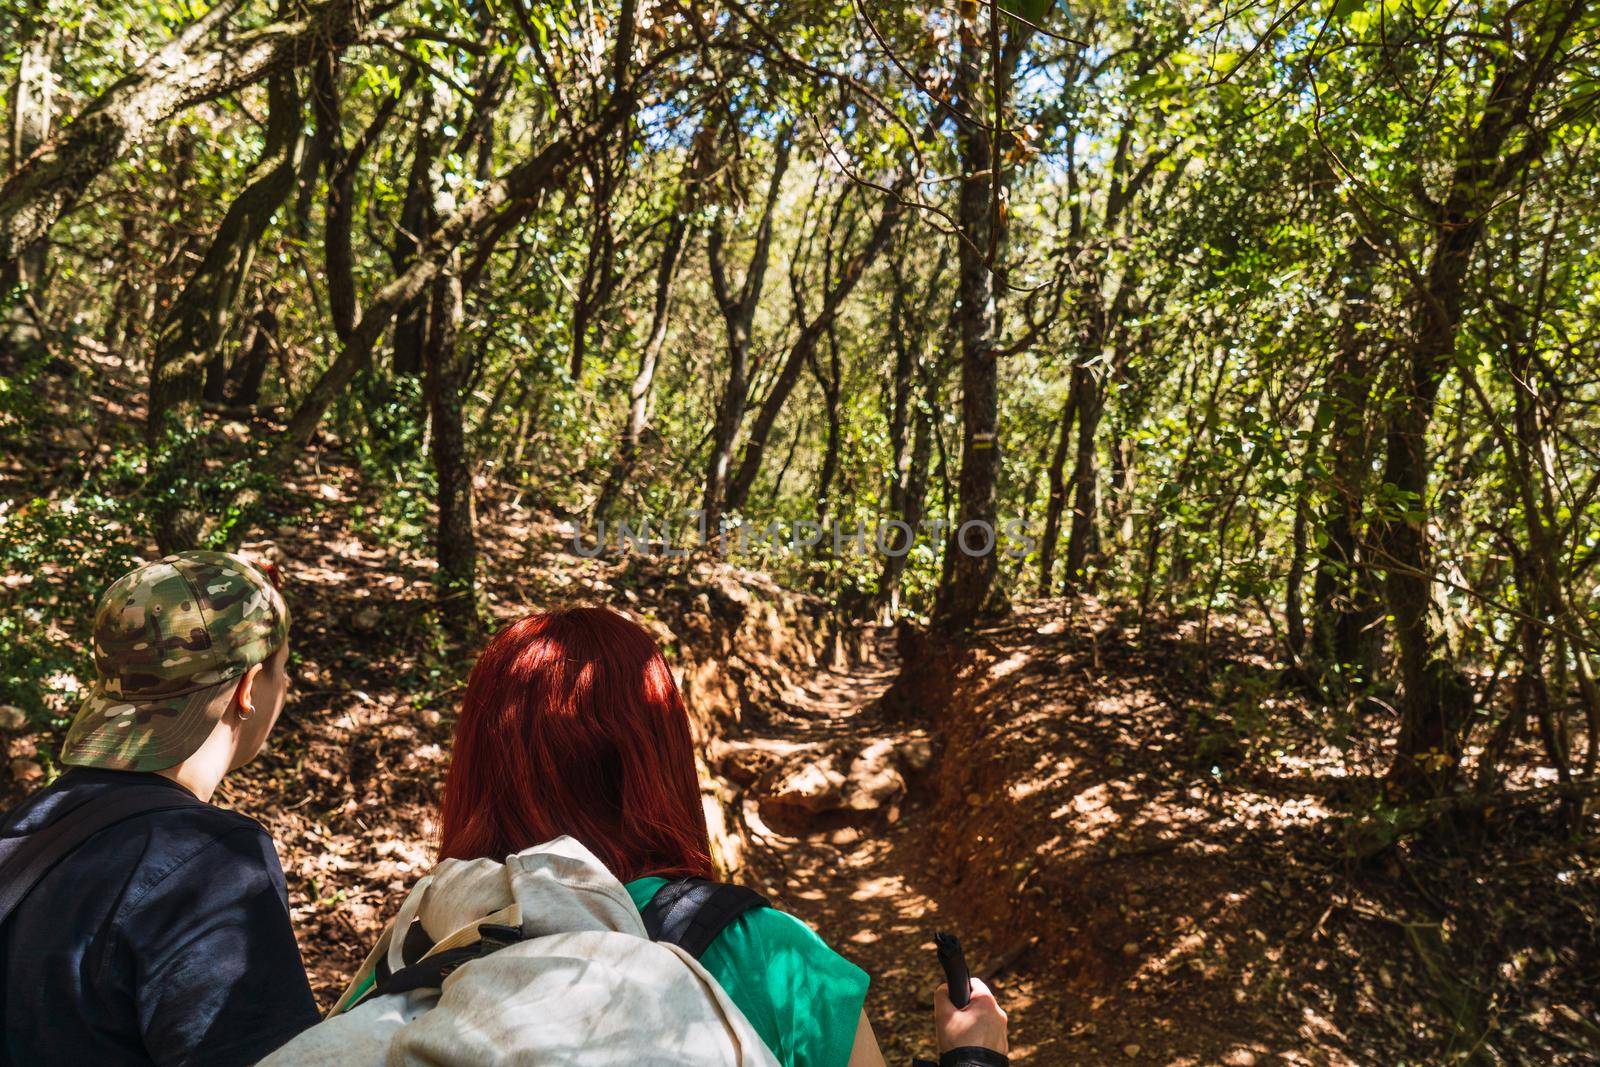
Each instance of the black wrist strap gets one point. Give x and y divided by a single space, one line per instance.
967 1056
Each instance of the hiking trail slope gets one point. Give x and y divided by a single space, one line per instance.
1145 874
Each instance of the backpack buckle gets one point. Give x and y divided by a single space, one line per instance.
492 937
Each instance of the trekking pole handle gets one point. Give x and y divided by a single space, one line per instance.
954 962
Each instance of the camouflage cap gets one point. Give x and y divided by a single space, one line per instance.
168 637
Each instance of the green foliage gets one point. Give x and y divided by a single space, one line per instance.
58 554
1033 11
1219 228
387 442
222 475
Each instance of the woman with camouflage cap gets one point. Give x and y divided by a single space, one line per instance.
138 923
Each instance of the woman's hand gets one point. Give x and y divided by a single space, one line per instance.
980 1023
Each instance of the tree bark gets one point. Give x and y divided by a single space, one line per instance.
1106 349
415 223
251 367
1345 637
804 349
338 210
1099 322
444 379
1528 450
914 397
1294 605
910 508
1057 489
1083 534
599 272
32 111
640 391
446 382
965 594
831 384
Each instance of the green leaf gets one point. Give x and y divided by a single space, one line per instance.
1032 11
1147 84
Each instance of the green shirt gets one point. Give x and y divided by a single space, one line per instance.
803 998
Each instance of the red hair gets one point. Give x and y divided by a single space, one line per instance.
572 724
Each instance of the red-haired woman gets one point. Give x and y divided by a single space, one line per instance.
572 724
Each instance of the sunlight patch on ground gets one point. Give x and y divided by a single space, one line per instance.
891 886
1010 665
1051 768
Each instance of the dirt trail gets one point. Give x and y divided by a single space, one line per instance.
867 884
852 882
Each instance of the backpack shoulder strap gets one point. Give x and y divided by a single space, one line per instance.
691 912
25 860
431 971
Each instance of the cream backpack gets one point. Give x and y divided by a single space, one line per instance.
542 959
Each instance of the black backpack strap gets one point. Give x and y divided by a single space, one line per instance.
415 945
966 1056
26 859
430 973
691 912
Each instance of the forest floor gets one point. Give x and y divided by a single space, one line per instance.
1147 862
1157 833
1149 874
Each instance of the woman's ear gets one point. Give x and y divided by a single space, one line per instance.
244 696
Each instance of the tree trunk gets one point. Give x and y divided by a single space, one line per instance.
415 222
831 384
1427 752
965 594
738 313
1083 535
599 272
641 390
444 379
914 392
251 367
1528 451
1437 703
1056 479
496 208
1294 615
901 389
804 349
1124 471
32 111
639 393
338 209
1105 353
1345 636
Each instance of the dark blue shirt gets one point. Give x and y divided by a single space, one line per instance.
164 939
